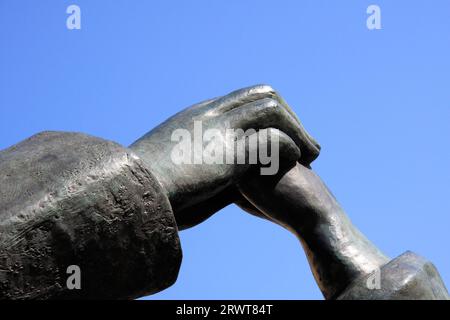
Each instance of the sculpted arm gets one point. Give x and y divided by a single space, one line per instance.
345 264
70 199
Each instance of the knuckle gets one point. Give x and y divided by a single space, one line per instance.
271 104
274 132
261 89
265 88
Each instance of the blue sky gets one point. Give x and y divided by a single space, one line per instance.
378 102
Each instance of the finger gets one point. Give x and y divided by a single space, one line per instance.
288 155
268 113
203 103
268 152
199 108
247 95
250 94
234 99
242 96
283 103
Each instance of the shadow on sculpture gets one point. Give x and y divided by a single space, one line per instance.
70 199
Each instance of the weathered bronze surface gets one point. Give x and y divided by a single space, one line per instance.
73 199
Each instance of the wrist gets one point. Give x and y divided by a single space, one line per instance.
338 252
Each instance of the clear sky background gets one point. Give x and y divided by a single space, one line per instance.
377 101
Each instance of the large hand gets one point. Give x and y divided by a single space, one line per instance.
198 190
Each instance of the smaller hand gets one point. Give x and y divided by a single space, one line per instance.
299 201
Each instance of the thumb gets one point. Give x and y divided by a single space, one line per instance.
270 152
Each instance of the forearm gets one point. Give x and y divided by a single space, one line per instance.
337 252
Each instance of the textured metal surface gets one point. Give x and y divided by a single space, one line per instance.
338 253
299 201
72 199
407 277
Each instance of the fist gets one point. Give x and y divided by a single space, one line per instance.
198 162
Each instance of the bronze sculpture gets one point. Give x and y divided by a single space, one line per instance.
72 199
